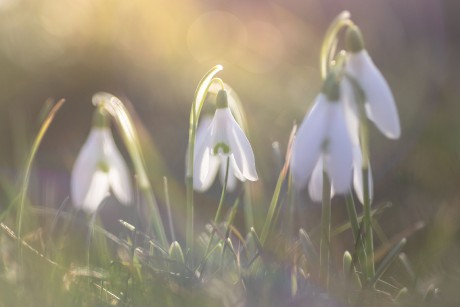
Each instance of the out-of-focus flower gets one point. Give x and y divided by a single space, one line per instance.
315 186
99 169
380 105
223 139
323 142
204 124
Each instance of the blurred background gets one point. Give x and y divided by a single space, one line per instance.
152 54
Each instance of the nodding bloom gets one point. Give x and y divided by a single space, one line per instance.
203 126
315 186
99 169
323 142
222 140
380 105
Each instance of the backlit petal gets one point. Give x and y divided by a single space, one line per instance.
350 110
308 141
315 186
241 149
86 165
231 180
98 190
339 156
205 164
119 177
358 176
380 106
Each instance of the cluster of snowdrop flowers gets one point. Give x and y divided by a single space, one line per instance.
219 142
328 140
99 168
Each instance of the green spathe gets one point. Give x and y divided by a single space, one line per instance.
331 87
221 100
354 42
100 119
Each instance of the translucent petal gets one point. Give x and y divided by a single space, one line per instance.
339 157
350 110
205 164
308 141
358 176
241 149
236 172
219 127
119 177
203 125
231 180
98 190
315 186
381 106
86 165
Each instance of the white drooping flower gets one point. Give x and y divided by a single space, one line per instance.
323 142
99 169
203 126
223 139
379 102
315 186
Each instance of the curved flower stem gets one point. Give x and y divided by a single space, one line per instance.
330 40
325 231
222 196
197 105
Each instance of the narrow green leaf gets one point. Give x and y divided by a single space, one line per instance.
388 260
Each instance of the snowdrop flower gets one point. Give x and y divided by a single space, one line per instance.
99 168
380 105
204 124
323 141
223 139
352 120
315 186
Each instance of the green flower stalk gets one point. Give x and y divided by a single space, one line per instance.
197 105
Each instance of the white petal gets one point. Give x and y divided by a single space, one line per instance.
203 125
381 106
86 166
231 180
240 148
315 186
234 169
98 190
308 141
119 177
358 176
205 164
219 127
339 157
350 110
